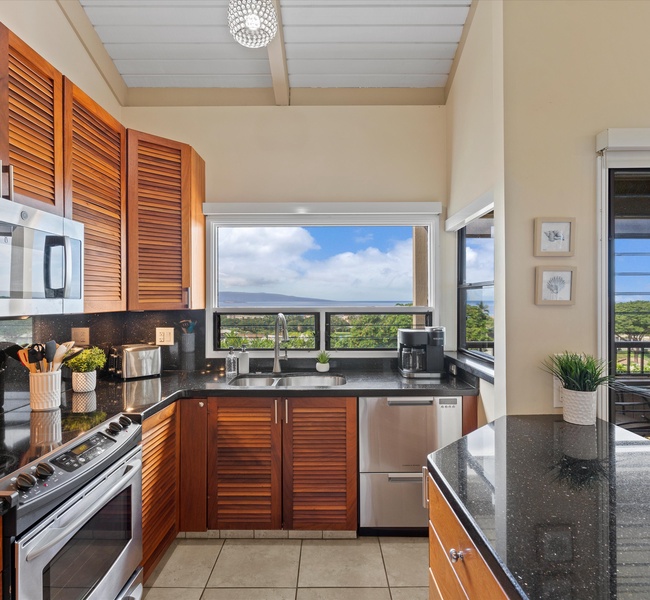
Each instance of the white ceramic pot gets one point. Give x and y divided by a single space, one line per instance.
322 367
84 382
579 407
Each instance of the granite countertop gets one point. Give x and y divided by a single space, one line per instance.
26 435
558 510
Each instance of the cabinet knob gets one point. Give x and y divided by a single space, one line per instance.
456 555
201 404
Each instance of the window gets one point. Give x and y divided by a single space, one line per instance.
476 287
346 281
630 270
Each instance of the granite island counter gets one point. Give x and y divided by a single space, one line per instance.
557 511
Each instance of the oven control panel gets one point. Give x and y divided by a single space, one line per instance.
83 453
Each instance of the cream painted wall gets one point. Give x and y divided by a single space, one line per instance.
572 69
310 153
475 161
42 25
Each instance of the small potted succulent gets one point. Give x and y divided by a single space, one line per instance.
580 376
84 368
323 361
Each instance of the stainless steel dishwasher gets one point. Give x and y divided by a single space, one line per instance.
396 433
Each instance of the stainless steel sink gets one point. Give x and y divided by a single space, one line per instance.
310 381
287 380
253 381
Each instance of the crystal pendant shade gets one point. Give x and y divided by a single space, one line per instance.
253 23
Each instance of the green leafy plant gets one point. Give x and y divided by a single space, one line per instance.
89 359
578 372
323 357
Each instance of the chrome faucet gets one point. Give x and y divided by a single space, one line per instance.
280 322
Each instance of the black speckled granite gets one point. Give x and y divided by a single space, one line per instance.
26 435
559 511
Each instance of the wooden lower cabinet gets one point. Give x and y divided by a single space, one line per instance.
193 413
467 578
160 489
282 463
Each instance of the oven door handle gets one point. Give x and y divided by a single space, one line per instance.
135 468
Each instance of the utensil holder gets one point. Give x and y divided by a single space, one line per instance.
45 390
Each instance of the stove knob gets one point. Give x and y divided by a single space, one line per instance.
44 470
114 427
125 421
25 482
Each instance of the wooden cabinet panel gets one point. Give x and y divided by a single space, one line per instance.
160 489
244 464
166 227
193 510
444 583
31 138
471 572
95 187
320 463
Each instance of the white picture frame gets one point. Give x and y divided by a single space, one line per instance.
555 286
554 236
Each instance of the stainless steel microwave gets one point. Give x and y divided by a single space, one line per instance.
41 262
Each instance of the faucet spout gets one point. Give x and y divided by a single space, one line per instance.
280 325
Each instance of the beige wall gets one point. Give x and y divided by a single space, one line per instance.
310 153
571 70
475 162
42 25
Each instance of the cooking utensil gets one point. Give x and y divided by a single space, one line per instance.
23 356
72 354
61 351
35 354
50 351
12 351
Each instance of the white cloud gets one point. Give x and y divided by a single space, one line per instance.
271 260
479 261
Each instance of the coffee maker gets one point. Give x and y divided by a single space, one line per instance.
420 352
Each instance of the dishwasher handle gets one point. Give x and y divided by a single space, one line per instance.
409 402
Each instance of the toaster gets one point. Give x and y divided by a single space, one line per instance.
134 360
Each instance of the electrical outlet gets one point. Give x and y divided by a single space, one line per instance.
165 336
80 336
557 398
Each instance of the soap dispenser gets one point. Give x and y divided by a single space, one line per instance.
231 364
244 364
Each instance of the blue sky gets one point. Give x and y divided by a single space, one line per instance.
632 264
342 264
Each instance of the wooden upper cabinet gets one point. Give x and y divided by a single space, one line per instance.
166 227
95 187
31 137
320 463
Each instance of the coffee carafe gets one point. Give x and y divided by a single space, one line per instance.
420 352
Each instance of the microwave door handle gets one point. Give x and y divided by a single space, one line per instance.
136 467
9 169
51 241
67 249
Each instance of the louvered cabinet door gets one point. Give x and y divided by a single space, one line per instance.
95 186
320 463
160 491
244 464
31 135
166 229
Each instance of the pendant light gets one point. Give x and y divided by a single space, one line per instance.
253 23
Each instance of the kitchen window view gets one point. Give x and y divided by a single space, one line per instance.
379 275
476 287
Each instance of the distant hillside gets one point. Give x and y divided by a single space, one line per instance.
254 299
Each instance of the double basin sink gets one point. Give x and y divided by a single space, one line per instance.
266 380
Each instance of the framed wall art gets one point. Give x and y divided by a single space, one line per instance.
555 285
554 236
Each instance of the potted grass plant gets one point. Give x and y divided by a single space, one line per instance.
580 376
84 368
323 361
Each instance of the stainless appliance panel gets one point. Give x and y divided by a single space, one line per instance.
41 262
101 524
391 500
396 433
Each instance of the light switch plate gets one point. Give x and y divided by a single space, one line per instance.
165 336
80 336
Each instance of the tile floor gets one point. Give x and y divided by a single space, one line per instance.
367 568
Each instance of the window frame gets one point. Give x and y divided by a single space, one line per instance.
410 214
461 297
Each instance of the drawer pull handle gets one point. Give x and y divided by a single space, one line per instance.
456 555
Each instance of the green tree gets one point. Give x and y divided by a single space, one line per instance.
479 325
632 320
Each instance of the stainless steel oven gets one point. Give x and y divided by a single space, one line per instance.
76 530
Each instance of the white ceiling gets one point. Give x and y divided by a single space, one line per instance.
327 43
